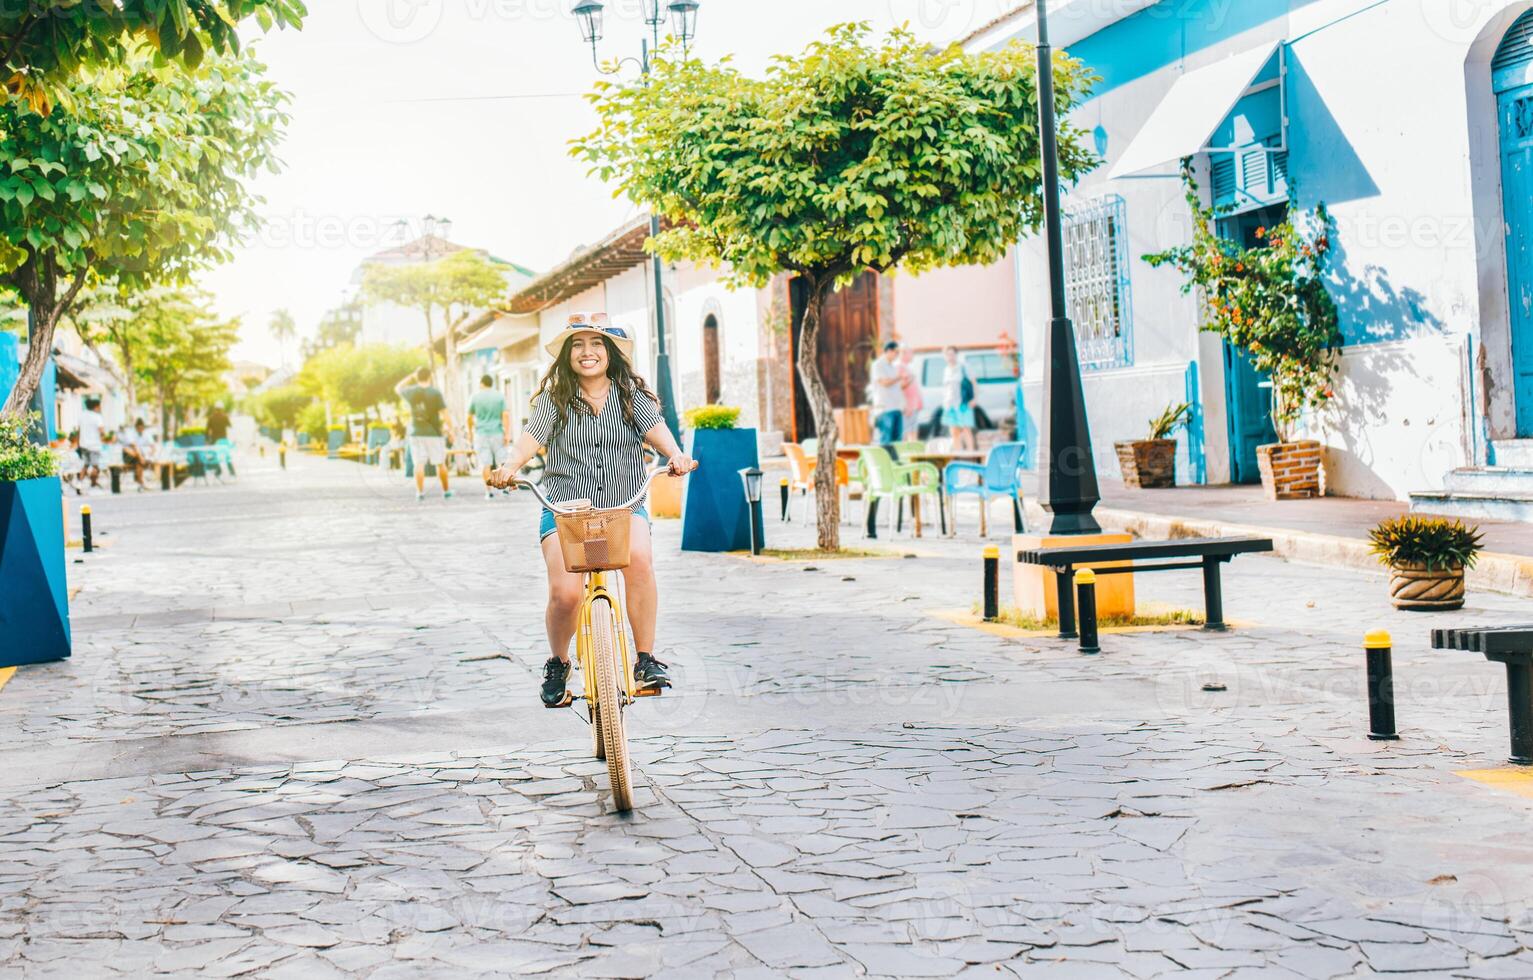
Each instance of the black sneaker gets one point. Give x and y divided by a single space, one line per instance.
556 677
649 672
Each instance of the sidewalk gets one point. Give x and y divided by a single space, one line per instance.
1330 530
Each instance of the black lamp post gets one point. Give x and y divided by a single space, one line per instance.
752 477
1068 484
683 14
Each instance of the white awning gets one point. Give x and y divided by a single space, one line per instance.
503 331
1187 117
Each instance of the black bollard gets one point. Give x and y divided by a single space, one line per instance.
85 539
992 583
282 455
783 490
1086 602
116 472
1381 686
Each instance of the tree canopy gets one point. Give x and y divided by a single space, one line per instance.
45 43
184 354
852 156
357 379
142 180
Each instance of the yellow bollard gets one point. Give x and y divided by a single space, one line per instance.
992 583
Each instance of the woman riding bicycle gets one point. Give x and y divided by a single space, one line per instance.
594 416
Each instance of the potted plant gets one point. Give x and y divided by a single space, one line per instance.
1270 301
190 436
1426 558
714 512
1151 462
34 600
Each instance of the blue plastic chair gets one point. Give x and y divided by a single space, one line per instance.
998 476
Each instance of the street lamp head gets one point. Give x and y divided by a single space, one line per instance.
751 477
654 13
588 14
444 229
684 19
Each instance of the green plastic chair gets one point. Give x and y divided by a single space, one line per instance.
906 448
884 479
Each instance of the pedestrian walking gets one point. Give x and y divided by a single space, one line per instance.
888 396
594 416
218 425
910 389
91 424
957 400
428 423
488 428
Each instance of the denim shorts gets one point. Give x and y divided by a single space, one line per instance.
546 524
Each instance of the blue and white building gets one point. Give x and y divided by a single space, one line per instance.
1413 121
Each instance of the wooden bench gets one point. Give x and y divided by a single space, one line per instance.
1205 553
166 468
1512 646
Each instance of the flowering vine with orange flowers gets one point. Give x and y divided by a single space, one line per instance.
1269 300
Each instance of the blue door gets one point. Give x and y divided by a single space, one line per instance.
1516 107
1247 393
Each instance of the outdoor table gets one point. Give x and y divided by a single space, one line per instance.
940 459
1511 646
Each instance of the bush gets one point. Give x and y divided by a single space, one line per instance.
712 417
312 421
1435 542
20 457
192 430
1173 418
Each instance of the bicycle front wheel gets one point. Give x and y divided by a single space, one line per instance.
610 673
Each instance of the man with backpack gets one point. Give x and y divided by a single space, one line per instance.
958 401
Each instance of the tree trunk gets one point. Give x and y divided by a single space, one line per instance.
430 345
827 500
452 389
37 281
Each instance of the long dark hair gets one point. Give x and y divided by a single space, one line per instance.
563 386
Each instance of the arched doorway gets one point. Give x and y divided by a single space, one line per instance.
712 385
1512 81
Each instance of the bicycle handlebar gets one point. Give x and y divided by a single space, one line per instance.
649 477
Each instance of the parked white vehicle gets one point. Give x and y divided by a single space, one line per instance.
995 388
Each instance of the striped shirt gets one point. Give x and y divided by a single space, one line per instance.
599 458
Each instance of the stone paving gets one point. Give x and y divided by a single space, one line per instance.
297 740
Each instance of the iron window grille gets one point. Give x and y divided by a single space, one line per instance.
1097 282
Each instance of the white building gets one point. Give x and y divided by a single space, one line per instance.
388 323
1412 120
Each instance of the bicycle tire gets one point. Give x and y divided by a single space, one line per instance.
598 745
609 699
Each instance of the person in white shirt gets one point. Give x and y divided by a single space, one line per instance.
888 396
90 439
137 450
957 401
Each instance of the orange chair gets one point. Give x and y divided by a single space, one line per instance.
802 467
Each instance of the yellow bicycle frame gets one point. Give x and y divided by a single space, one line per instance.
585 649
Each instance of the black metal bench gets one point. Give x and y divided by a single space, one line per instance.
1512 646
1207 554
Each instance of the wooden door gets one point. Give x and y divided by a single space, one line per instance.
848 343
712 386
1516 108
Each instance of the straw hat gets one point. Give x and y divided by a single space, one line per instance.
582 323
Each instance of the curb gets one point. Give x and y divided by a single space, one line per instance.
6 673
1494 572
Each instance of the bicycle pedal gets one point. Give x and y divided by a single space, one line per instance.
650 692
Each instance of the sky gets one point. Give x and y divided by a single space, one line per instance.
464 109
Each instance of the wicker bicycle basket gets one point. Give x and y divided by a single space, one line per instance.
594 540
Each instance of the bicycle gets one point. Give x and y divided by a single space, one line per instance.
595 543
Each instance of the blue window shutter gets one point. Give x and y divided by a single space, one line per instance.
1513 64
1222 174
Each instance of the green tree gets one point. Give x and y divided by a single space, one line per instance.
44 44
283 328
848 158
279 407
452 288
357 379
141 180
184 356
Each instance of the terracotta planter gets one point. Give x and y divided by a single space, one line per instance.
1290 470
1412 586
1147 463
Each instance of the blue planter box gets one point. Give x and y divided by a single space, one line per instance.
714 513
192 441
336 441
34 603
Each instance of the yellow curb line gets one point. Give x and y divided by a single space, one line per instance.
1518 781
959 617
806 559
6 675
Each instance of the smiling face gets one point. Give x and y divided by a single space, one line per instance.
588 356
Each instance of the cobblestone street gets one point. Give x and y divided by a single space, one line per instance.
299 737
